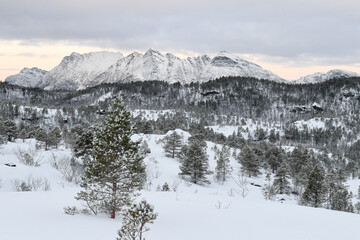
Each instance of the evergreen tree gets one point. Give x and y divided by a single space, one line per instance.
281 182
23 134
173 144
10 130
195 163
250 162
84 145
135 220
223 169
116 171
41 135
54 137
338 198
274 157
272 136
315 192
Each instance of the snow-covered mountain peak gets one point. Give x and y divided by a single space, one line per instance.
152 52
76 70
322 77
27 77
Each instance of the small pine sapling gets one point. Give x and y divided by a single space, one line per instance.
135 220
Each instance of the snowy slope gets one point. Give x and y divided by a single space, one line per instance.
190 212
28 77
75 71
322 77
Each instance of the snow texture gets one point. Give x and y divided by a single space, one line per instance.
28 77
79 71
190 212
322 77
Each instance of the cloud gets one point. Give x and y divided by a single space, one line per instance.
288 32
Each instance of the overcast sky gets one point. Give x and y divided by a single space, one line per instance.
290 38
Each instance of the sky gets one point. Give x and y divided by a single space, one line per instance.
290 38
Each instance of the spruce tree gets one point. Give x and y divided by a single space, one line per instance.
223 169
281 182
116 171
173 144
315 192
195 163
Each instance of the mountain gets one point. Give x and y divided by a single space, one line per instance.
155 66
322 77
77 70
28 77
227 64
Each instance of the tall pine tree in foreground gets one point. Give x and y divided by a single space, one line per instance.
116 170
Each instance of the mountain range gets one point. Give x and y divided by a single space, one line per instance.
79 71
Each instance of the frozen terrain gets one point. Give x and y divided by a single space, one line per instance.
188 211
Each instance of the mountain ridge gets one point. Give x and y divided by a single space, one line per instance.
80 71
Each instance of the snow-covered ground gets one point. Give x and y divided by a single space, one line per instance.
188 211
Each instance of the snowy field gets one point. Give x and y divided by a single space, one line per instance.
187 212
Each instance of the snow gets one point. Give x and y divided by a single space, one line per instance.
322 77
79 71
151 114
316 123
27 77
209 212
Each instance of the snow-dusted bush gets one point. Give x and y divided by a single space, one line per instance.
29 156
71 210
31 184
70 169
243 183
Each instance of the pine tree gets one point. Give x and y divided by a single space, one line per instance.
10 130
223 169
250 162
54 137
195 163
84 145
173 144
315 192
272 136
281 182
116 171
338 197
135 220
42 136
